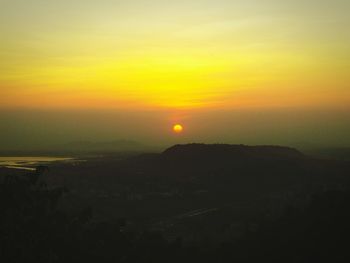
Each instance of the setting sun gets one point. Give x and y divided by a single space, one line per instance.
178 128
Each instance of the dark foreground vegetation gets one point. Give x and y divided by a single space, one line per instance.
194 203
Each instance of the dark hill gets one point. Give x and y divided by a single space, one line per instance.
226 151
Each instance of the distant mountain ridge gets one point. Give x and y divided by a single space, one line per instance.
82 147
217 151
107 145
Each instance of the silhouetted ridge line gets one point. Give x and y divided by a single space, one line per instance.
217 151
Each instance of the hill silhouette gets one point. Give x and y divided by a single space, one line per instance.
240 151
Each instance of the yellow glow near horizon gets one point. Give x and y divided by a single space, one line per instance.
180 55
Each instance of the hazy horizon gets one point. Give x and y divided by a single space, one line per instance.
37 129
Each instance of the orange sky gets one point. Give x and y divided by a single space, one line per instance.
187 54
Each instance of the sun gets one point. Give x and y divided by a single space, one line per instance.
178 128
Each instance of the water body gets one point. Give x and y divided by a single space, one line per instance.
29 163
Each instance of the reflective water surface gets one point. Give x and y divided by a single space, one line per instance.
29 163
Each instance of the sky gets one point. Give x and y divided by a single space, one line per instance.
252 71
